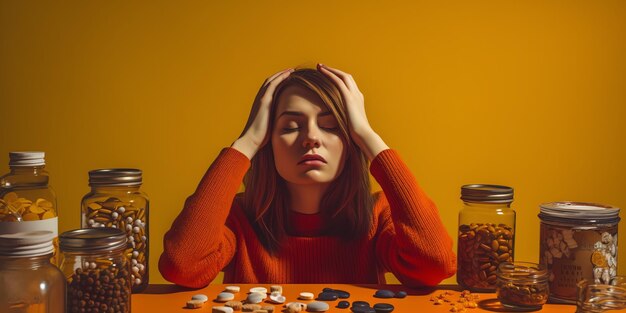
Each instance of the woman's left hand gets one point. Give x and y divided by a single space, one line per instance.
360 130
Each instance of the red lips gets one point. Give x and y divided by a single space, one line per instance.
312 157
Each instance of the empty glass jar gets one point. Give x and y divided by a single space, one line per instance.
28 281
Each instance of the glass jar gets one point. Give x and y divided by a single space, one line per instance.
97 270
486 235
522 285
597 298
28 281
577 241
27 202
116 201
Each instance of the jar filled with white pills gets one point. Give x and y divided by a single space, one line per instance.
116 201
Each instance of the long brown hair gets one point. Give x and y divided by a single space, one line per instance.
346 206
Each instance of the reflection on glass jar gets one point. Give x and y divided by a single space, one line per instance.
486 235
596 298
116 201
522 285
97 270
28 281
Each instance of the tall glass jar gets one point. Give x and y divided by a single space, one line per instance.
27 202
577 241
97 270
486 235
116 201
28 281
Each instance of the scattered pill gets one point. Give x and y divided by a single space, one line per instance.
258 289
195 304
317 306
232 289
200 297
221 309
306 296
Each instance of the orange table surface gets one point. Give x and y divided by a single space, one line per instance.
171 298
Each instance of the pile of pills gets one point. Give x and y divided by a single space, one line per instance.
16 209
466 300
116 213
257 295
98 286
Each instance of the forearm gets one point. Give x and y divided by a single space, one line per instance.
417 246
199 244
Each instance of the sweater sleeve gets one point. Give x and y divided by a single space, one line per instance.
199 245
412 242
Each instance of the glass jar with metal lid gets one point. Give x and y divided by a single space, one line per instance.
28 281
486 235
116 201
522 285
578 241
97 270
27 202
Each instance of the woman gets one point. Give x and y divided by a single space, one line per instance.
307 215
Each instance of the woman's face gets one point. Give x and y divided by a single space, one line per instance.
305 139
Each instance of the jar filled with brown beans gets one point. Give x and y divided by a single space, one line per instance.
97 270
522 285
486 235
116 201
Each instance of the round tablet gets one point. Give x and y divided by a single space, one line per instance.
258 289
306 296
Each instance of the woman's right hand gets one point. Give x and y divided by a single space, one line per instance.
254 134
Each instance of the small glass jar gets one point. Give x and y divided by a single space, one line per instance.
28 281
597 298
486 235
522 285
27 202
116 201
577 241
97 270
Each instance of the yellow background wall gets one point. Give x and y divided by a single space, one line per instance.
528 94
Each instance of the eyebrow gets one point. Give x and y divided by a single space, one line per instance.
296 113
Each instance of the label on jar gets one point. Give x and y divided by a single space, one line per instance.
49 224
572 255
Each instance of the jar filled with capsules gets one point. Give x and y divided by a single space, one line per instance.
116 201
97 270
27 201
577 241
486 235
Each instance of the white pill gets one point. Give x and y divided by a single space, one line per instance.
90 222
232 289
92 265
135 269
102 225
138 222
135 254
144 238
258 289
114 215
129 220
131 238
121 209
137 281
277 298
140 266
225 296
200 297
133 261
113 226
307 296
136 230
221 309
129 227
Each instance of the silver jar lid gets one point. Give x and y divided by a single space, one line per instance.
93 240
26 244
579 212
27 158
481 193
115 177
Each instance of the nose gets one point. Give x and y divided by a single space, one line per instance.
312 137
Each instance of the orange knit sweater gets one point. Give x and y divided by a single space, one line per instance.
212 234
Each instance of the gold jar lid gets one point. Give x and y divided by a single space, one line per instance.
483 193
115 177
